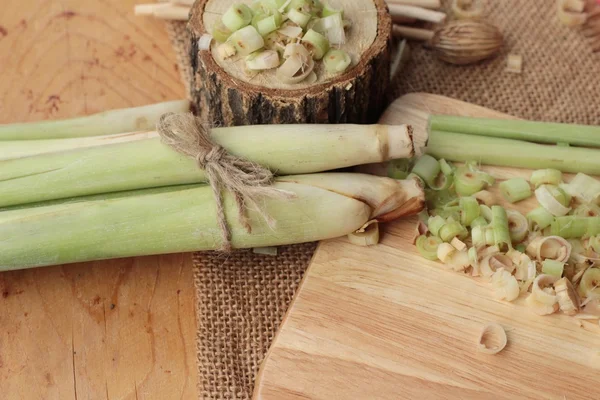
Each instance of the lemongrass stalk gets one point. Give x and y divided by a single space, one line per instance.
383 195
285 149
105 123
11 149
20 209
532 131
512 153
186 220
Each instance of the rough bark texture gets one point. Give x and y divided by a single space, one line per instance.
358 96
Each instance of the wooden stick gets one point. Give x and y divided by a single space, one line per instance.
148 9
412 33
398 19
416 12
163 11
434 4
174 13
183 2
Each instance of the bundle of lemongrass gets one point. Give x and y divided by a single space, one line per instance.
79 190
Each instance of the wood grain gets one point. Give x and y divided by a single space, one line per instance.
384 323
122 329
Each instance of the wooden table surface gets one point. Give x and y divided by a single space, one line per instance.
122 329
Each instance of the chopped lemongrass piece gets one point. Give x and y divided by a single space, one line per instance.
291 31
518 225
398 169
479 221
505 285
329 10
568 300
550 247
428 246
204 42
220 32
486 198
587 210
267 24
262 60
296 49
560 195
247 40
491 263
490 237
459 261
500 227
551 204
226 50
332 27
452 229
568 17
539 218
295 69
478 236
572 227
540 308
236 17
594 243
584 188
101 124
514 63
270 5
317 44
545 177
553 267
434 224
447 168
474 259
266 251
589 287
336 61
469 210
368 235
486 212
428 168
468 181
492 340
445 252
515 190
458 244
542 289
489 251
298 17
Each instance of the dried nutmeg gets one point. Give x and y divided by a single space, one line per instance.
466 41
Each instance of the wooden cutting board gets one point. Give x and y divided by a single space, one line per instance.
384 323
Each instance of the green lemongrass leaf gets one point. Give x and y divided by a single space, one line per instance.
106 123
512 153
532 131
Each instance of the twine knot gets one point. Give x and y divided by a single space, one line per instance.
245 180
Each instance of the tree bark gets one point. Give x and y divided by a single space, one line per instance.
357 96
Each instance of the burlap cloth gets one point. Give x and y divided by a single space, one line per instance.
242 297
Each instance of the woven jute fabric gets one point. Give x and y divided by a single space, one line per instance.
242 297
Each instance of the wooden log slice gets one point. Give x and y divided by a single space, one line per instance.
227 96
